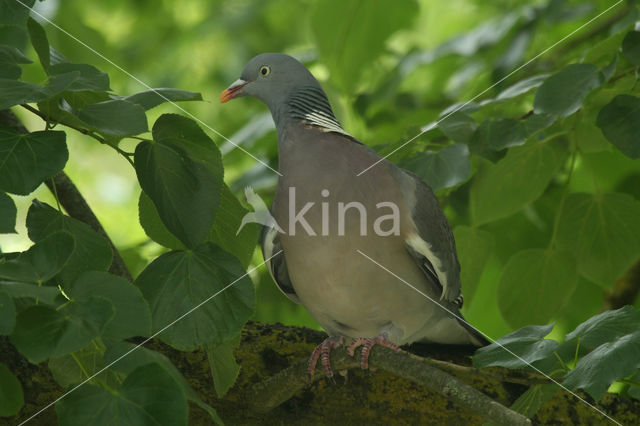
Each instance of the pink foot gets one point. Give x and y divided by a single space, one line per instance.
322 351
367 343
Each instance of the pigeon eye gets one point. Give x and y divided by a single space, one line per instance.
265 70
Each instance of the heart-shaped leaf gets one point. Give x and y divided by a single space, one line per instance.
208 285
149 395
42 332
26 160
181 171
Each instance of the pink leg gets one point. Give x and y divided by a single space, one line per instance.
322 351
367 343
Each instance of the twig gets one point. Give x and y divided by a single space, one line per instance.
72 200
125 154
281 387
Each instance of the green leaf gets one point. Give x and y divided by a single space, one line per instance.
16 92
619 121
154 97
223 233
149 395
631 47
10 57
223 365
350 36
519 178
116 351
528 343
88 77
605 49
179 281
92 251
546 279
459 127
521 87
181 171
446 168
530 402
537 122
7 314
498 134
116 118
563 92
41 262
604 365
13 35
603 231
42 332
27 160
225 228
77 100
41 293
39 42
475 246
8 214
71 369
132 316
11 396
153 226
606 326
13 12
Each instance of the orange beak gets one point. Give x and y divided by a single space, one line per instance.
232 91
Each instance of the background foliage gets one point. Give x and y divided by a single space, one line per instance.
539 174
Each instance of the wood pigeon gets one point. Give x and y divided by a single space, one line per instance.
346 235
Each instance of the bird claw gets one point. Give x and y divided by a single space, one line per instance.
322 352
367 343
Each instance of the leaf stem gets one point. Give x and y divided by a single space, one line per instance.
84 371
55 194
564 366
575 357
140 138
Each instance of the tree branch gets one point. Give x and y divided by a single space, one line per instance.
626 289
365 398
281 387
72 200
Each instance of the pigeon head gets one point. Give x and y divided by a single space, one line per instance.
287 87
270 77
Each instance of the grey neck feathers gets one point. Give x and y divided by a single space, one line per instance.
310 105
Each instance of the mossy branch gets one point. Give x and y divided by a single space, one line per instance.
277 389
